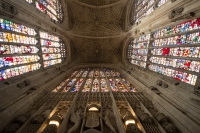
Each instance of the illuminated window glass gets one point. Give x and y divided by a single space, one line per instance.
113 85
179 44
60 86
98 81
95 86
52 48
143 8
177 51
77 86
178 75
15 71
121 85
52 8
85 72
130 86
69 85
138 50
177 63
18 49
87 85
190 25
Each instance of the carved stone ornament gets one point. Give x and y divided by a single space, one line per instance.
159 82
7 9
164 85
185 16
175 12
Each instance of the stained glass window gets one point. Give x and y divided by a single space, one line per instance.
179 44
144 8
95 80
138 50
20 47
178 75
52 8
52 48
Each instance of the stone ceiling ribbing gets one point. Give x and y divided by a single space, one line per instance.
97 21
96 33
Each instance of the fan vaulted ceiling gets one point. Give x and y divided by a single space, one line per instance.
96 31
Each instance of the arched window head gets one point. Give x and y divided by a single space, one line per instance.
52 8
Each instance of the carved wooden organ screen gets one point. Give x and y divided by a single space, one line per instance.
24 49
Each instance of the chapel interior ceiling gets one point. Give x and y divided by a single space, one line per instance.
97 30
98 2
94 50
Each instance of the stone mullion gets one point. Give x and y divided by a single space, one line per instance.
126 87
116 84
91 81
101 113
107 81
85 79
40 48
77 79
149 50
62 127
70 78
84 119
117 115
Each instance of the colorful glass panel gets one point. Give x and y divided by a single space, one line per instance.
15 71
52 62
87 85
11 26
77 82
113 85
60 85
15 41
104 87
179 28
177 63
85 72
95 85
77 86
69 85
17 60
50 7
178 75
192 38
52 48
178 51
15 38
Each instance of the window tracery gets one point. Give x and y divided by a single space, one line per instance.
20 46
52 48
179 44
138 50
144 8
52 8
95 80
